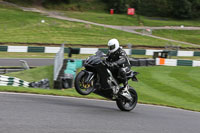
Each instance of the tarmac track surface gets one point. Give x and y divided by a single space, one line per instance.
30 61
29 113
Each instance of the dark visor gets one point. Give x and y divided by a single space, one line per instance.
112 47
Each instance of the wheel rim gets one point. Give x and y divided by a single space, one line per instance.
129 104
85 87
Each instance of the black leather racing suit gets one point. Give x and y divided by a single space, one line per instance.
119 65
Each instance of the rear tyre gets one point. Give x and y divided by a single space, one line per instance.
81 87
125 105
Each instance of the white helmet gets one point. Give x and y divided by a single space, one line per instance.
113 45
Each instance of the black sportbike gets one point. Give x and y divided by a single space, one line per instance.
97 78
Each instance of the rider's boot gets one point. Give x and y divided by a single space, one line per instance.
125 92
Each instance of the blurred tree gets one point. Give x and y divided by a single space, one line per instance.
195 8
120 6
56 1
182 9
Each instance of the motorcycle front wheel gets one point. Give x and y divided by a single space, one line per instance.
126 105
80 85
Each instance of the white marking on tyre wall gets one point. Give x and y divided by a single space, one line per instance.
17 48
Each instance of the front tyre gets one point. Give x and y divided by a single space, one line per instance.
125 105
80 85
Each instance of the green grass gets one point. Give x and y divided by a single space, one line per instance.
161 85
104 18
170 86
19 26
125 20
151 21
192 36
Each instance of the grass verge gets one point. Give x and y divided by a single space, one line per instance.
169 86
77 56
66 92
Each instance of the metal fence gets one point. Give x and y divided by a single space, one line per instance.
58 62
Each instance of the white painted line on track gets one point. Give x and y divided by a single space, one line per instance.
77 98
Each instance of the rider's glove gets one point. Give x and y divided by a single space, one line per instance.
110 64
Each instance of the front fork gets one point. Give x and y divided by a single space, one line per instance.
89 77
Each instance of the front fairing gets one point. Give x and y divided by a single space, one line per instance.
94 60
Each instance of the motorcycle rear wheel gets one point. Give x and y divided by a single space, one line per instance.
125 105
80 86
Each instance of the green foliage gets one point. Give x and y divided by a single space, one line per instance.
56 1
76 5
181 9
120 6
153 8
21 2
195 8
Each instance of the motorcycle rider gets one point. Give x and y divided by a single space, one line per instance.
118 62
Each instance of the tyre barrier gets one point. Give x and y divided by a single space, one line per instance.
70 72
142 62
93 50
176 62
44 84
12 81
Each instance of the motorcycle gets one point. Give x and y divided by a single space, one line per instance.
97 78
